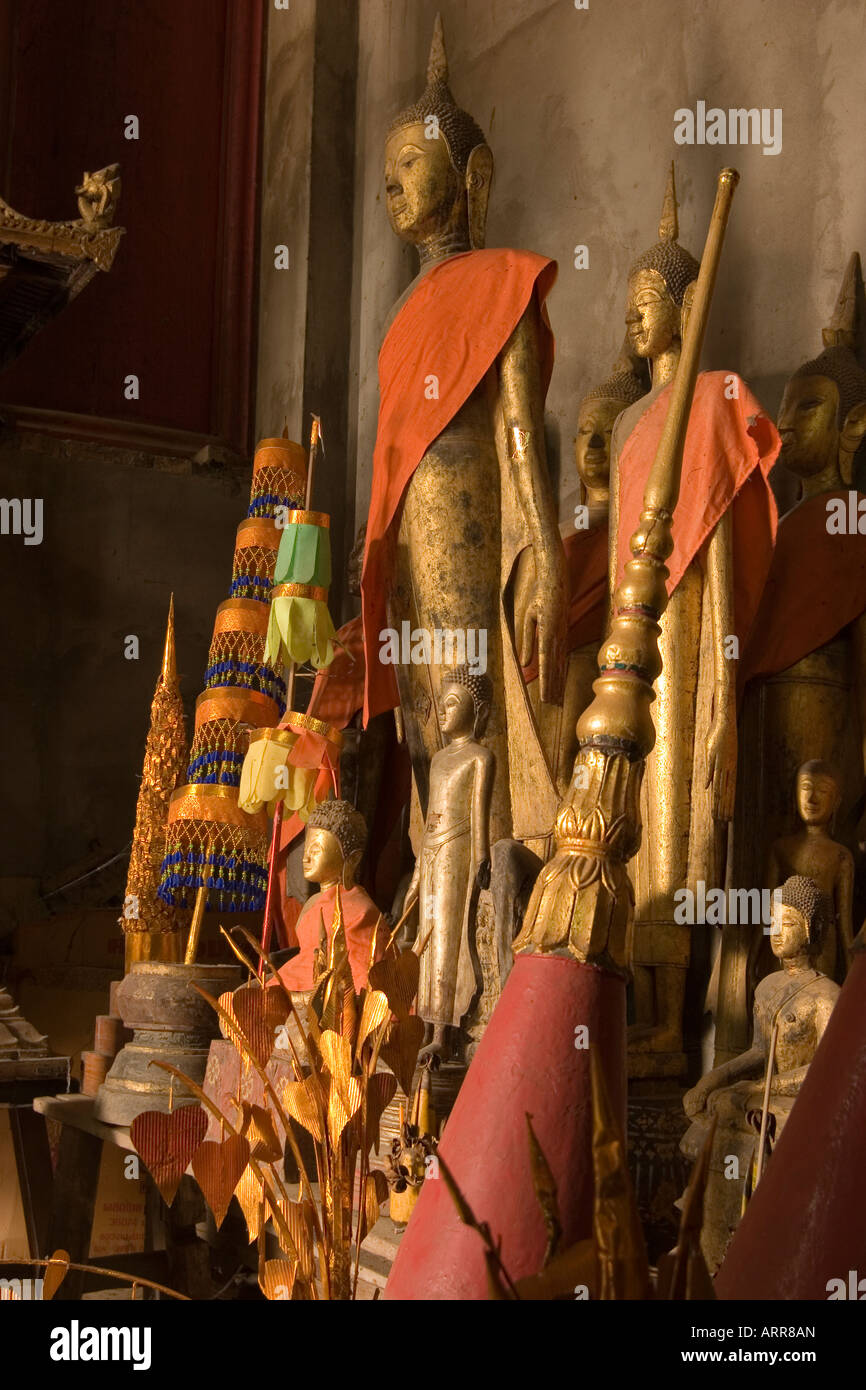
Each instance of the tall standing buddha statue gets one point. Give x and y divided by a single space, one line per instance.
722 534
460 482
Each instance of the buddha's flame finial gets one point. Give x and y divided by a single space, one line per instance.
169 660
841 331
437 64
669 224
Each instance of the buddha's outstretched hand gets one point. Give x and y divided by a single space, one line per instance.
549 616
695 1100
525 582
540 616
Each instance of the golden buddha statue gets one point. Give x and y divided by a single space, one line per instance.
460 481
687 797
812 853
454 855
791 1011
334 842
804 667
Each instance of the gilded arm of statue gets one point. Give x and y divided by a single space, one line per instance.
748 1065
482 796
540 606
722 737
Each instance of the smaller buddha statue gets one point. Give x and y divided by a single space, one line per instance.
334 842
596 417
454 858
797 1001
660 286
812 853
722 542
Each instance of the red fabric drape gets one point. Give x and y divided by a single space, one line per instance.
453 328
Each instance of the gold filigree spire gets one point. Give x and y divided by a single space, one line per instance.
152 928
169 660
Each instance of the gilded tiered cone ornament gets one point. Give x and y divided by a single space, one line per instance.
151 927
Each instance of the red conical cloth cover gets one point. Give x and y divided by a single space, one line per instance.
527 1061
806 1223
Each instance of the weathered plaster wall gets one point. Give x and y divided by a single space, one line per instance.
308 206
579 106
285 216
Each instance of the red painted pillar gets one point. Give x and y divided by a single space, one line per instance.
806 1223
527 1061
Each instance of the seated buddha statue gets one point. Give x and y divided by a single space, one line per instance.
812 853
791 1011
334 842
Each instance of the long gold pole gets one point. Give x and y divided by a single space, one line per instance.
198 914
765 1113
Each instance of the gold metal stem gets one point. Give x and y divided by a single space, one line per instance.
195 926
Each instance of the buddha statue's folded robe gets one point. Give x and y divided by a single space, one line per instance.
731 445
443 341
338 691
816 587
360 916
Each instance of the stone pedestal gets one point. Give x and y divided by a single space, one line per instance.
171 1023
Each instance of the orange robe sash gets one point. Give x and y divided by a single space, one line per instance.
731 445
816 587
360 916
338 691
452 328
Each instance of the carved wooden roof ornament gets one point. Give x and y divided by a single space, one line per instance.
43 265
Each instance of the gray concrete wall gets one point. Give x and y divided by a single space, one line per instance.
121 531
578 106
